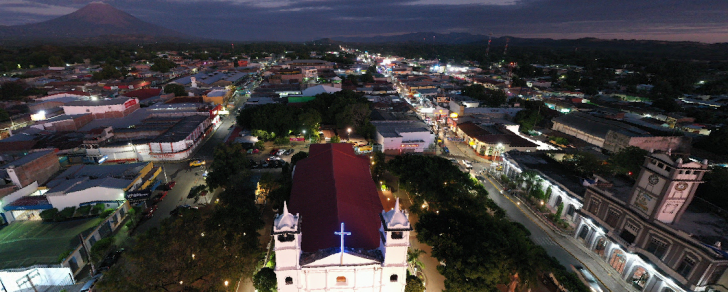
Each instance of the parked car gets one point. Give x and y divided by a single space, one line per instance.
280 152
197 163
590 280
445 150
467 164
149 212
274 151
272 158
289 151
88 287
110 260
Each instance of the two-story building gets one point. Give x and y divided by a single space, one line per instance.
651 235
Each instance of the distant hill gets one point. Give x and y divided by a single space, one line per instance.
419 37
668 49
95 21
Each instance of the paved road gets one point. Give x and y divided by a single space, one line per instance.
567 250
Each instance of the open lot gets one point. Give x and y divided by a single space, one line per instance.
26 243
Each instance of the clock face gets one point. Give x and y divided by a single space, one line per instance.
653 179
681 186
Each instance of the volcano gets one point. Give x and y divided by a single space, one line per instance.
93 20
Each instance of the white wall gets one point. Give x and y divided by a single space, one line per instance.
4 201
88 195
39 277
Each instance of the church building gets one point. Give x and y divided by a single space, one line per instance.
334 235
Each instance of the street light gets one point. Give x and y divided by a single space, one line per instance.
226 283
348 132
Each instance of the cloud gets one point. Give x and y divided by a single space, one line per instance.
27 7
304 20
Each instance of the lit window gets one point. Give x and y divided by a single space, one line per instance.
340 279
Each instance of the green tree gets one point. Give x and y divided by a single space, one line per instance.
56 61
177 89
108 71
628 161
297 157
414 284
162 65
13 90
715 188
527 119
198 251
265 280
228 161
716 141
4 115
335 139
587 164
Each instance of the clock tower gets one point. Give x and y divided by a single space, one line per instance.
665 187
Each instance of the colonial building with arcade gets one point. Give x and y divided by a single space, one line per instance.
651 235
336 236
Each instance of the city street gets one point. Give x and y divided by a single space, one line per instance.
564 248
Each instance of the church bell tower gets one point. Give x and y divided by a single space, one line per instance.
287 234
665 187
394 244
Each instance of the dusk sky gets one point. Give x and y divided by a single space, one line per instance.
303 20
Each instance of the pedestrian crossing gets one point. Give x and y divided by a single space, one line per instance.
543 240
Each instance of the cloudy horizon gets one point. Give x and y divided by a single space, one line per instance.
305 20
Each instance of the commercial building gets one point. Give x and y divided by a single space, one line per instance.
614 135
103 109
81 185
651 235
405 136
315 64
35 167
337 233
492 139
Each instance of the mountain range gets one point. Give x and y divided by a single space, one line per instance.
99 21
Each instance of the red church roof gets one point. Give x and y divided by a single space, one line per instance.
331 186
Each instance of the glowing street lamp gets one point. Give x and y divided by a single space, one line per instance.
348 132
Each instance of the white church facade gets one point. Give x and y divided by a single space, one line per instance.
337 237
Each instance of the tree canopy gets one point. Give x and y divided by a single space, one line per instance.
197 251
491 98
177 89
478 246
228 161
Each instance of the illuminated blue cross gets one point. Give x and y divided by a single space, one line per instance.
342 233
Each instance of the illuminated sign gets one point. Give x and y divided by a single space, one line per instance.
130 103
454 115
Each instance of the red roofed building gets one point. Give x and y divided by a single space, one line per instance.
335 202
331 186
143 94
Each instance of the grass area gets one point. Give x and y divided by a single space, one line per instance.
25 243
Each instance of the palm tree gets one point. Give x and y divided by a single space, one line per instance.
413 259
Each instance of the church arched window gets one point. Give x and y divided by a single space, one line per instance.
397 235
289 281
393 278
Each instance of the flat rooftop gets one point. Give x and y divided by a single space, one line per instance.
394 128
551 168
26 243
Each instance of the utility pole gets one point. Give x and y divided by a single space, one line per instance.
88 254
31 283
